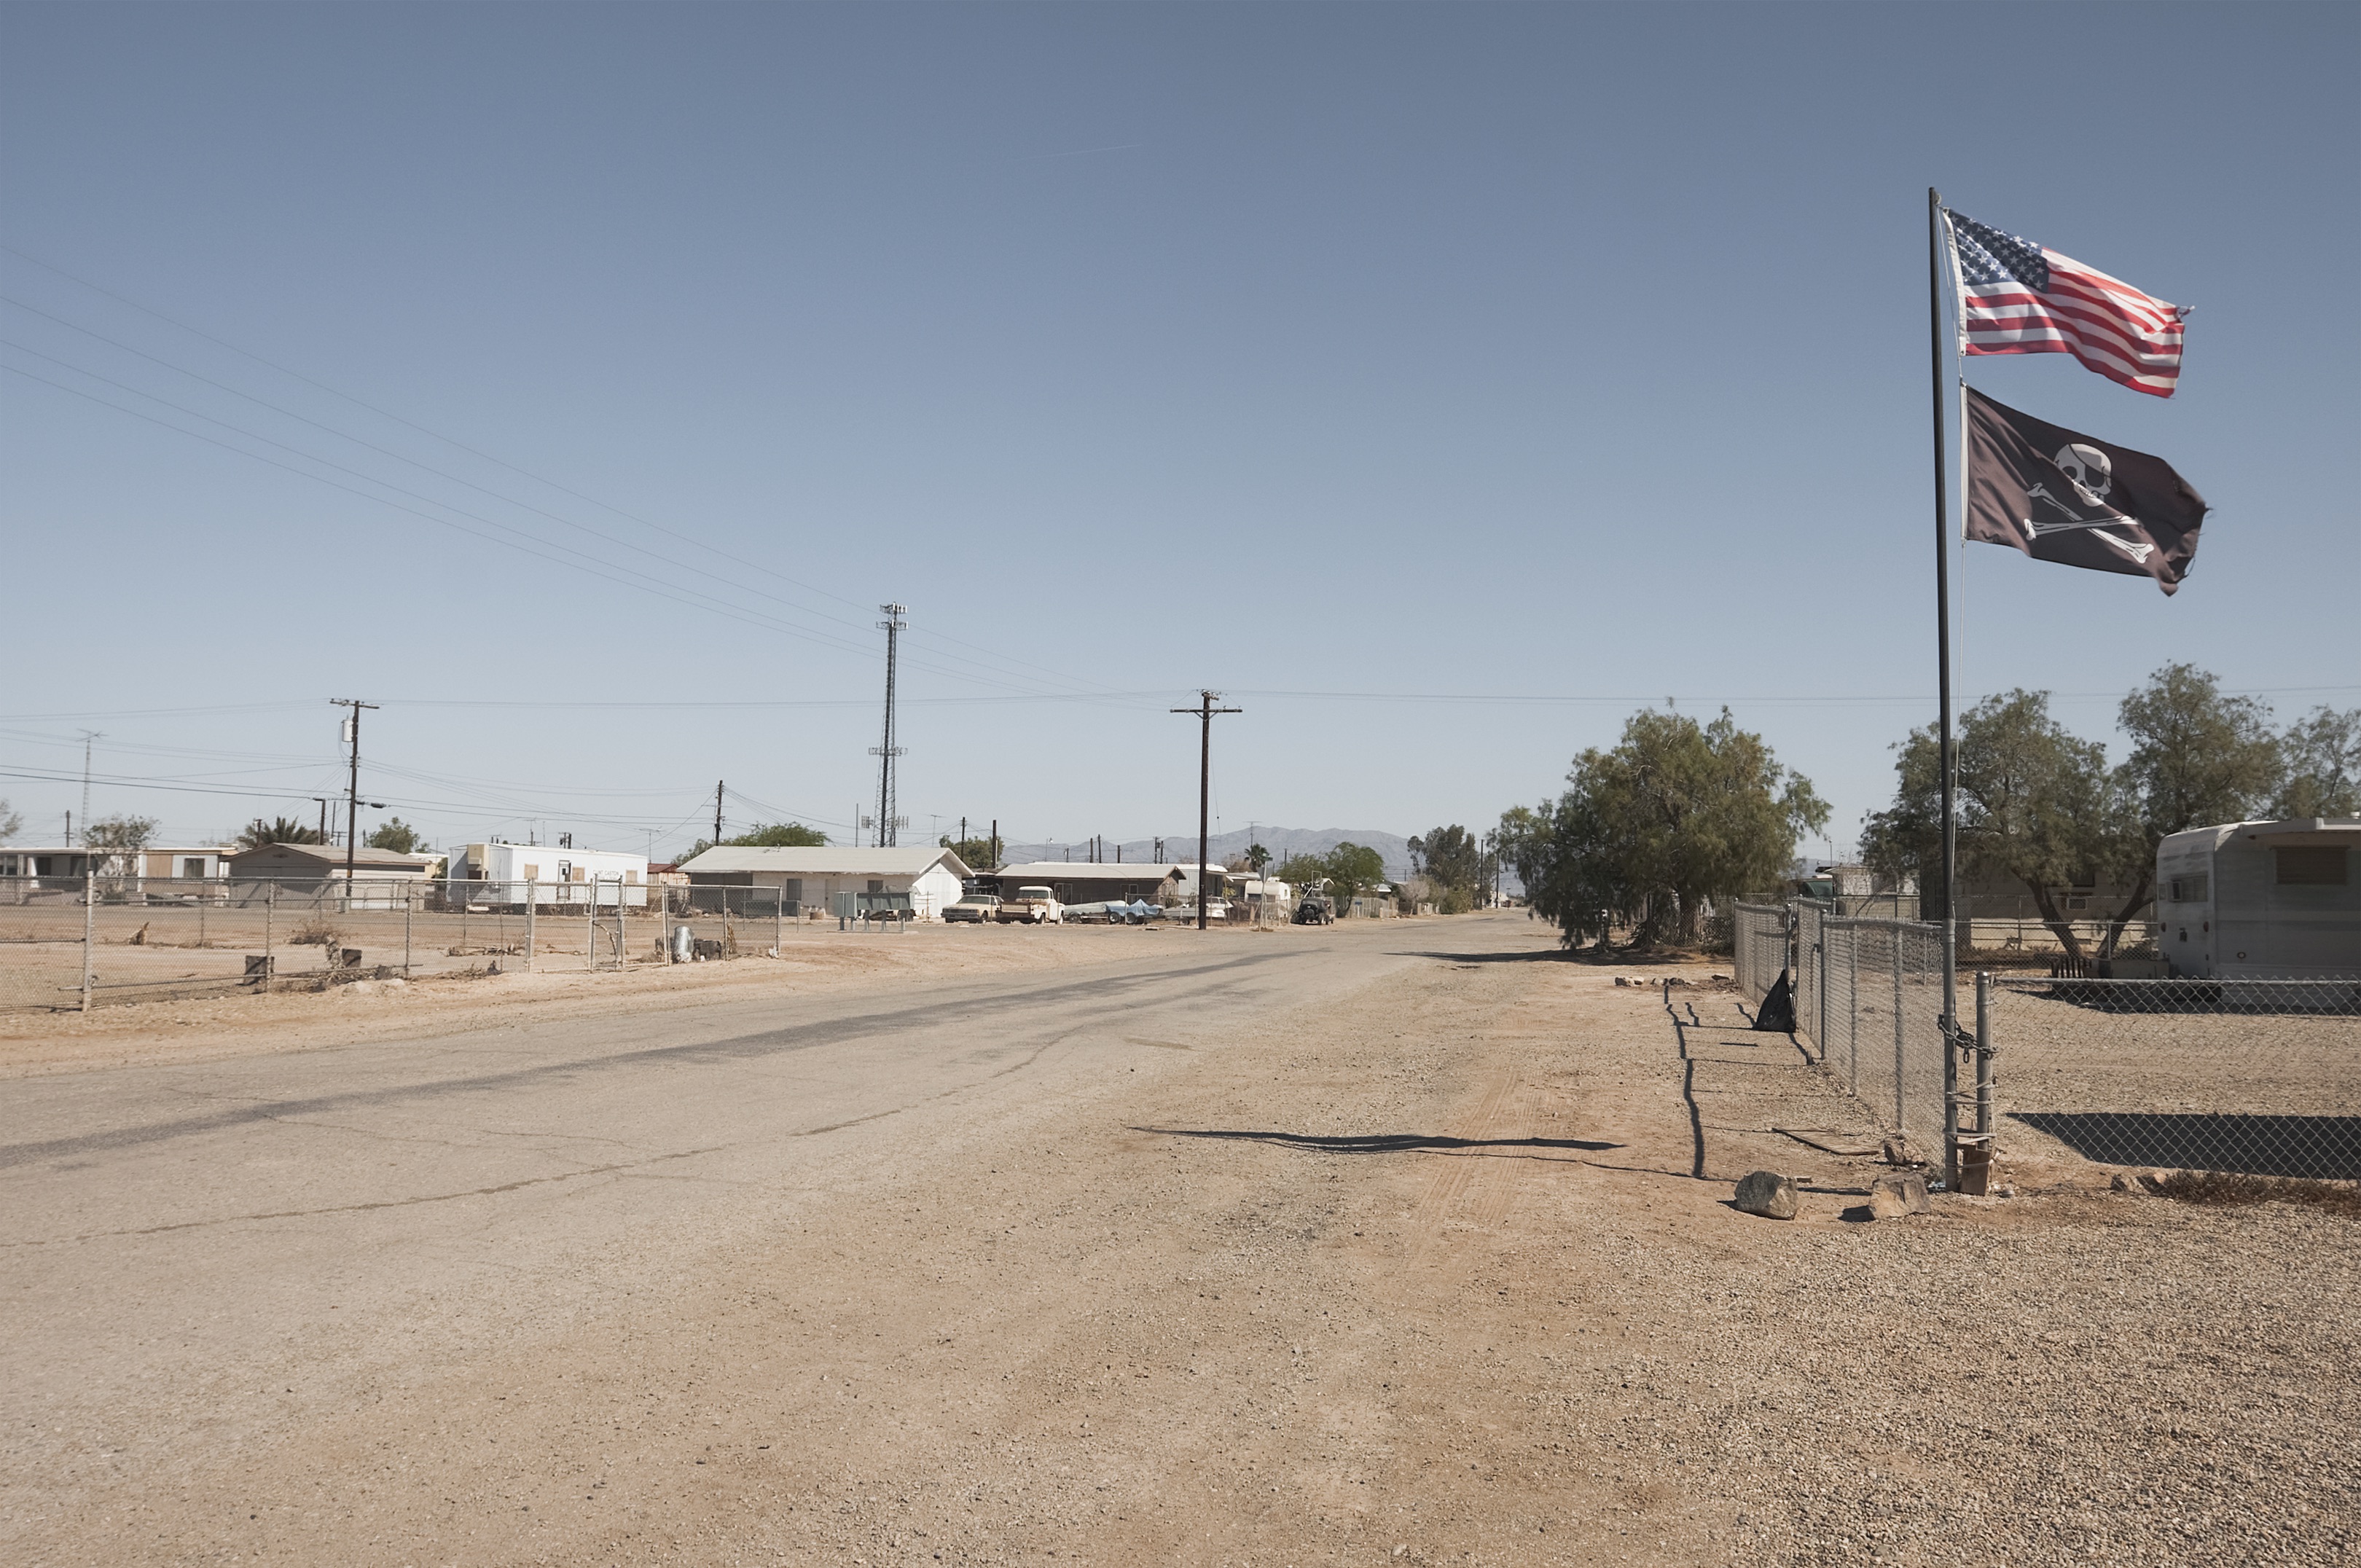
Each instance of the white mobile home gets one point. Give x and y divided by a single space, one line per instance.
498 875
153 863
2261 900
808 880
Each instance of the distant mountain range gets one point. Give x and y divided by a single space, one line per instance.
1280 841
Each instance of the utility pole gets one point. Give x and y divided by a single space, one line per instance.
995 843
717 811
323 817
87 737
893 626
1205 710
353 784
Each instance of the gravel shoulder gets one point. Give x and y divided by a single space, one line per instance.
1440 1269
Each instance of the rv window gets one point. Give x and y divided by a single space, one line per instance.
2310 868
2188 889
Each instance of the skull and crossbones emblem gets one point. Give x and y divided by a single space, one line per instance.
2088 470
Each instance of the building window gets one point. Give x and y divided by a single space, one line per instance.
2189 889
2310 868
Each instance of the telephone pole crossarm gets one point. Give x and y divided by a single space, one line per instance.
1204 712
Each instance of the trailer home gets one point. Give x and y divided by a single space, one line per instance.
2261 900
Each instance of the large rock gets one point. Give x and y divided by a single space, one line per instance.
1902 1192
1767 1194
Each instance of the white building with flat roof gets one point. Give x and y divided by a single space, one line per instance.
809 879
508 876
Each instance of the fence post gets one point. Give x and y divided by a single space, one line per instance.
1951 1044
1820 986
779 924
1985 1061
664 923
269 908
409 917
89 919
622 932
531 893
590 931
1893 945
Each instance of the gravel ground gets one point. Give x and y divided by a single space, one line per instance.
1441 1271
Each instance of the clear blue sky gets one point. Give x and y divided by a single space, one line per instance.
1454 355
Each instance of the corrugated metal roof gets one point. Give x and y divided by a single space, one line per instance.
826 859
1070 871
333 855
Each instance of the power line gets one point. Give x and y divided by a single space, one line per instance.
644 584
645 522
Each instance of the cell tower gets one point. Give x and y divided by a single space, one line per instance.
893 626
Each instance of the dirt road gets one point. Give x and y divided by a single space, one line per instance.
1402 1242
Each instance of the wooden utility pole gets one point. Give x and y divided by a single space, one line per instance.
352 788
1205 710
717 811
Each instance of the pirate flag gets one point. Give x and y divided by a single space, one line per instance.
2065 498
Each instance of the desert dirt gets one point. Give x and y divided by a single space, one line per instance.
1407 1242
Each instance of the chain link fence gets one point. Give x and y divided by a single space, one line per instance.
2245 1077
1868 995
143 939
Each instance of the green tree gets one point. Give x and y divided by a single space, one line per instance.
1521 841
2323 754
1449 857
11 822
121 838
1352 870
765 835
2036 804
1676 815
2197 758
974 853
1256 856
778 835
258 834
1299 870
398 836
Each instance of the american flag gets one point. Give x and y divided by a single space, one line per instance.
2017 296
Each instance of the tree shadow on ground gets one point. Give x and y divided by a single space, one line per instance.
1613 957
1378 1143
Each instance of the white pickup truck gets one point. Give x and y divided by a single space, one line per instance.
1032 906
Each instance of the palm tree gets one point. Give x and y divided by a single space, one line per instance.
281 830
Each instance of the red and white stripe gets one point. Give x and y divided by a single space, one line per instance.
2103 322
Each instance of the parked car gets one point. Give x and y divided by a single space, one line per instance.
975 907
1032 906
1315 908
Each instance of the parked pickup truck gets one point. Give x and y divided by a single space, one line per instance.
1032 906
975 908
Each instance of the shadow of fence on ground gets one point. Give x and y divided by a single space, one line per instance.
1378 1143
2321 1147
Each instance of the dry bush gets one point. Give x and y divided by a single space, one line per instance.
2226 1190
316 933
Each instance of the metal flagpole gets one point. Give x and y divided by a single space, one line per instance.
1947 755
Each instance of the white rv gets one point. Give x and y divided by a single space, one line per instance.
2261 900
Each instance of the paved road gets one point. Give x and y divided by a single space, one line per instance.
205 1255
